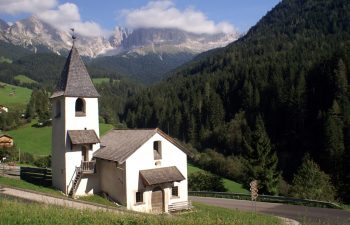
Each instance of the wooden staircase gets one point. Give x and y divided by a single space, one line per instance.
86 168
75 184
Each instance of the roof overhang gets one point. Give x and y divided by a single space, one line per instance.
161 176
80 137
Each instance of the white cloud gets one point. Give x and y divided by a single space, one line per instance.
62 17
67 16
164 14
25 6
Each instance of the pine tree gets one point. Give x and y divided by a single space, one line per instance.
311 183
262 161
333 146
340 80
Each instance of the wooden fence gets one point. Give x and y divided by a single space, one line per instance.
39 176
266 198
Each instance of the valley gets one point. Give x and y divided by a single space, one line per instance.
272 105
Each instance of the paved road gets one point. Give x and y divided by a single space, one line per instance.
299 213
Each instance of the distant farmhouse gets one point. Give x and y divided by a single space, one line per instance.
3 109
144 169
6 141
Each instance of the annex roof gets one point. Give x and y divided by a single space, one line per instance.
118 145
5 135
83 137
75 80
161 175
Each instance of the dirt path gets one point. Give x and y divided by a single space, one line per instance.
32 196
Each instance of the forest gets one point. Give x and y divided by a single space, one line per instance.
268 104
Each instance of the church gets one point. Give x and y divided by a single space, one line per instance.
143 169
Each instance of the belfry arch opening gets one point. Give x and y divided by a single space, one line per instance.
80 106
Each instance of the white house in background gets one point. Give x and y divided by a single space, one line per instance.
144 170
3 109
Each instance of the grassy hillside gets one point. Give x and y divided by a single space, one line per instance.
11 95
18 212
38 140
230 185
24 79
100 80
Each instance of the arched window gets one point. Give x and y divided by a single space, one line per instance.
58 109
80 107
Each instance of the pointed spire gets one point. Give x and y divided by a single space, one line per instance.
73 35
75 80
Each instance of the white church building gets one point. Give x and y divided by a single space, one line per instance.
142 169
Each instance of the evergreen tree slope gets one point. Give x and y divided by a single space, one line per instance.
292 68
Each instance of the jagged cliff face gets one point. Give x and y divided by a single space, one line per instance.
37 35
34 34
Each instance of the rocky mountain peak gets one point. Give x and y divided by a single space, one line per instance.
32 33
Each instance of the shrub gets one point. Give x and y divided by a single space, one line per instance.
43 162
204 181
27 157
11 154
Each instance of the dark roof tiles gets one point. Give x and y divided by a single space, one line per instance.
161 175
75 80
83 137
118 145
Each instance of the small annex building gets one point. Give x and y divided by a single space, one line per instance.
142 169
6 141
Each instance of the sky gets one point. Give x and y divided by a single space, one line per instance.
100 17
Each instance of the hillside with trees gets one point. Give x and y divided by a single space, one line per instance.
279 92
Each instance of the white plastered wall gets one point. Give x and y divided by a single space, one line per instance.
65 158
143 159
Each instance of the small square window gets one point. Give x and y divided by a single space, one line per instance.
139 197
175 191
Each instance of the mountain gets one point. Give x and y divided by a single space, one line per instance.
146 55
145 68
289 76
3 25
36 35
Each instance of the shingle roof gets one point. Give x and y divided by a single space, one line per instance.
83 137
118 145
75 80
161 175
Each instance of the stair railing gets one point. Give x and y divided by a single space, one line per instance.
72 179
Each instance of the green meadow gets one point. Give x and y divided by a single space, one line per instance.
14 96
24 79
37 140
14 211
100 80
230 185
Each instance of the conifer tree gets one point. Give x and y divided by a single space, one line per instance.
262 161
333 146
311 183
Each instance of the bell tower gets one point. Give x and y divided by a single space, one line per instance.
75 128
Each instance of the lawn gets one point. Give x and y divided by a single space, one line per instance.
5 60
24 79
38 140
14 96
230 185
100 80
29 186
14 211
